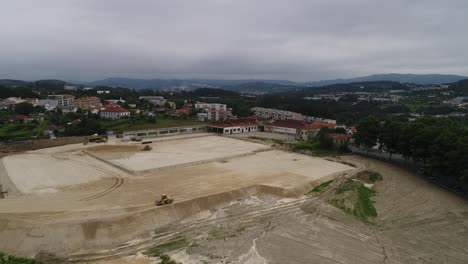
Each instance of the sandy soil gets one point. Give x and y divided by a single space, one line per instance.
176 152
92 199
417 223
235 209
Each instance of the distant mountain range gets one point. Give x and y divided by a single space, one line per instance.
267 85
248 85
395 77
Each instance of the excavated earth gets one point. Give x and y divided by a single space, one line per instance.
82 203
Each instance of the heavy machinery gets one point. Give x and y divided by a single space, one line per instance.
165 199
97 139
147 148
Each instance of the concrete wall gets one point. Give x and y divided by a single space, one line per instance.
162 132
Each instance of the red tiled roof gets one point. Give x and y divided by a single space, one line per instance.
318 125
338 136
184 110
20 117
234 123
114 109
298 124
90 98
68 96
52 127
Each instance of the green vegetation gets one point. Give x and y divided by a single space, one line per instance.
314 148
440 145
175 244
9 259
355 199
165 259
375 176
273 140
160 250
322 187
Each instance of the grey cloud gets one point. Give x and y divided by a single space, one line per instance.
298 40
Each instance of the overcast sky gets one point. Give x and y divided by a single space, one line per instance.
231 39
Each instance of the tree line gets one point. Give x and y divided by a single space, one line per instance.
440 144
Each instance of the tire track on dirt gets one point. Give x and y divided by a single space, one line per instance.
118 178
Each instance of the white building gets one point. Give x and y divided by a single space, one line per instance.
233 126
114 112
213 111
210 106
269 113
63 100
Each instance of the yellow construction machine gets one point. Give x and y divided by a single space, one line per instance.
147 148
165 199
97 139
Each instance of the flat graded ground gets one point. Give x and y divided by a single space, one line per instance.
80 190
175 152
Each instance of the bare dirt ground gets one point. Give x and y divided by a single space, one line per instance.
244 206
417 222
71 203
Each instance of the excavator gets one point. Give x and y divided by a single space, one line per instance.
165 199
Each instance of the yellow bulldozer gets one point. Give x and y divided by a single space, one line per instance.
97 139
165 199
147 148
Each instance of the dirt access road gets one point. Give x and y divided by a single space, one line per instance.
417 222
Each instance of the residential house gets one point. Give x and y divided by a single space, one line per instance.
310 130
87 103
114 112
10 101
214 111
339 140
48 104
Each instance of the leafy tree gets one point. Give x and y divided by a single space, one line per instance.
324 141
367 132
390 136
24 108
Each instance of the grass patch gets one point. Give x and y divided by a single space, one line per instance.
369 176
364 207
375 176
322 187
9 259
273 140
355 199
165 259
314 149
346 186
175 244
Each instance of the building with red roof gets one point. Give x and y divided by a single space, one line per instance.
339 140
302 130
114 112
233 126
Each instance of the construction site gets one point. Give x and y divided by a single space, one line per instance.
205 198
